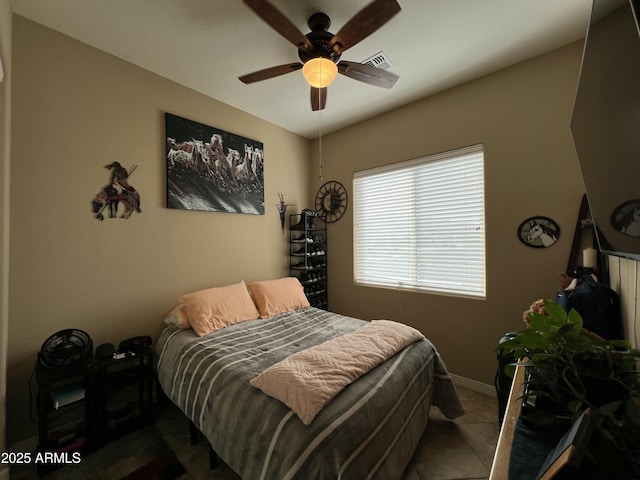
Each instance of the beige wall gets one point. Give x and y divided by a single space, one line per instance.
522 116
77 109
6 24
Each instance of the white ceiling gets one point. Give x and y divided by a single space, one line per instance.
207 44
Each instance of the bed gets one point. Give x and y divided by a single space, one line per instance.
368 430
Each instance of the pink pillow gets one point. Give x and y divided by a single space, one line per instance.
215 308
178 318
278 296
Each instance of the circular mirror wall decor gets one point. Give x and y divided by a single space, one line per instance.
539 232
331 201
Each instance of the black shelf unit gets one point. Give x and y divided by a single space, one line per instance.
66 420
98 401
308 256
124 394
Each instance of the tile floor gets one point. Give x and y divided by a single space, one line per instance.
450 450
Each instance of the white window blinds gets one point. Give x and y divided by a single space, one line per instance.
420 224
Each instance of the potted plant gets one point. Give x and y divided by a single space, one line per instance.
570 369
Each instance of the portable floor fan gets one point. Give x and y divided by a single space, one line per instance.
320 50
66 348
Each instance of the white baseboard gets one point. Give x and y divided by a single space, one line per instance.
474 385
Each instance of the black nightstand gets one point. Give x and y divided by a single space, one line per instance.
66 419
124 393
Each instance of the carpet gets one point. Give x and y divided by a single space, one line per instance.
140 455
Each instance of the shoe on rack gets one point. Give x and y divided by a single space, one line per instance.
309 215
301 252
306 220
300 225
303 239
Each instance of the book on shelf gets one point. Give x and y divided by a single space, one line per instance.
67 395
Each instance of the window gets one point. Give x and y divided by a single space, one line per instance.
419 225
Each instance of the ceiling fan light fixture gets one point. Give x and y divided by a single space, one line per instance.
320 72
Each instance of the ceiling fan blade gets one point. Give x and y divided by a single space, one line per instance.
364 23
270 72
281 24
318 98
367 74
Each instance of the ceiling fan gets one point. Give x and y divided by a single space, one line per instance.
320 50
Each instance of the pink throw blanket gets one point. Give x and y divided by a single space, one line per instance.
308 380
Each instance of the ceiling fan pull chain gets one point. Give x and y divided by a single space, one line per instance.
320 145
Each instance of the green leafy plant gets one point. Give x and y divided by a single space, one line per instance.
570 369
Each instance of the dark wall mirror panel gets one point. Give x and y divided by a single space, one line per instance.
606 124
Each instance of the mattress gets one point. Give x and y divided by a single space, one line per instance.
369 430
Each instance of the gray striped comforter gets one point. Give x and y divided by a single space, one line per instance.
370 430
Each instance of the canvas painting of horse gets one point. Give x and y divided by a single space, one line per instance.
212 170
539 232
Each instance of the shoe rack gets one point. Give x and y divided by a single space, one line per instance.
308 255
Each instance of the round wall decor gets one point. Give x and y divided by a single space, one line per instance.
539 232
331 201
626 218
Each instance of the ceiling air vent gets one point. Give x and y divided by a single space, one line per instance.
379 60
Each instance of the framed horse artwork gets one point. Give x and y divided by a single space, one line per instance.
539 232
212 170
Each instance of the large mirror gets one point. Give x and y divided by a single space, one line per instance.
606 125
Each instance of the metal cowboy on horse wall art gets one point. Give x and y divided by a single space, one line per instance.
117 192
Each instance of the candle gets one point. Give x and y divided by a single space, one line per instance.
589 257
